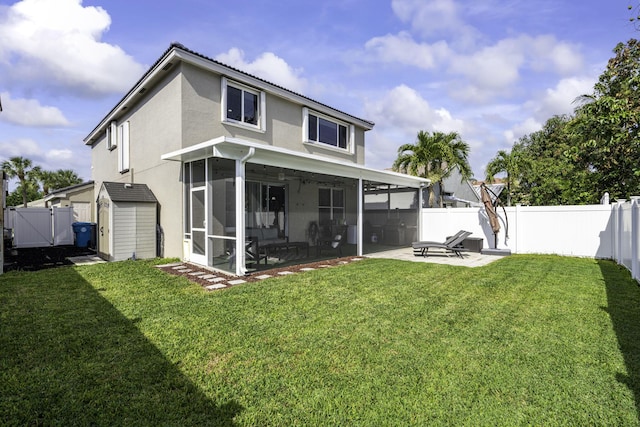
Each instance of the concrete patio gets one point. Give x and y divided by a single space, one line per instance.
470 259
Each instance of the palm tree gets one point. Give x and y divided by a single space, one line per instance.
61 178
21 168
66 178
507 162
48 181
434 156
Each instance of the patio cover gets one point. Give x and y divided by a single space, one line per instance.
234 148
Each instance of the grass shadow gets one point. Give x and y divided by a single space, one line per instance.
623 308
70 358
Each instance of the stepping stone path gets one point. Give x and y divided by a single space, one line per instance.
212 280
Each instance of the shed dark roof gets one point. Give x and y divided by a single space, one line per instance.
126 192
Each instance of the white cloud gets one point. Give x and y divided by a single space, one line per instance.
495 70
20 147
399 114
435 17
267 66
29 112
75 158
404 108
59 42
403 49
521 129
549 54
56 156
494 67
551 102
560 99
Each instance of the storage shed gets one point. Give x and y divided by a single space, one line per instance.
127 218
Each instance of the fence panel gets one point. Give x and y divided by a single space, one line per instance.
41 227
62 229
32 227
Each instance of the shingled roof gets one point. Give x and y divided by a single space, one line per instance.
126 192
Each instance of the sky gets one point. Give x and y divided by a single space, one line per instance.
491 70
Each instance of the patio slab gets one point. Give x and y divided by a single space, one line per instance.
469 259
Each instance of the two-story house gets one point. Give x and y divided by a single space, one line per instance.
227 158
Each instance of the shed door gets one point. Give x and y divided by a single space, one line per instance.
103 229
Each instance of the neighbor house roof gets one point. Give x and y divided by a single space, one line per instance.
494 191
126 192
61 193
177 52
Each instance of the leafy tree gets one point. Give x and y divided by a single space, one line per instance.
23 169
547 173
434 156
15 198
609 125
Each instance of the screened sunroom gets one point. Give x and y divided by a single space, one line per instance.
250 206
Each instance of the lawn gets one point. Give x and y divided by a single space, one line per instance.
527 340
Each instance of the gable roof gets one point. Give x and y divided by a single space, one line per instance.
61 193
126 192
177 52
494 191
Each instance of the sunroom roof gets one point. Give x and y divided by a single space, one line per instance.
234 148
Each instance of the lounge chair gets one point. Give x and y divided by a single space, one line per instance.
452 244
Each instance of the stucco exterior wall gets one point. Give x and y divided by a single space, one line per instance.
155 129
201 96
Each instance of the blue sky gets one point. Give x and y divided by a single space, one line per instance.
490 70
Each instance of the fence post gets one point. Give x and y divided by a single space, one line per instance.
516 248
635 218
620 254
615 231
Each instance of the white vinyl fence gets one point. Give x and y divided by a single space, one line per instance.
596 231
40 227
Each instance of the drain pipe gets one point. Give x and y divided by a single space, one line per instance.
240 214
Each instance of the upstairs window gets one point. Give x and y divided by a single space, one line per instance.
123 154
327 131
112 136
242 105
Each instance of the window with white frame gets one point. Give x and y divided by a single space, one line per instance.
243 105
123 153
325 130
112 135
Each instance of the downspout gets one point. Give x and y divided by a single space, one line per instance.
420 222
360 219
240 214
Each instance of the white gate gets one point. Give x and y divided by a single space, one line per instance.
62 229
40 227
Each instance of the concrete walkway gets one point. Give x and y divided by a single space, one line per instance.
470 259
86 259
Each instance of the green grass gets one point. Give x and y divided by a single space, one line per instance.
527 340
